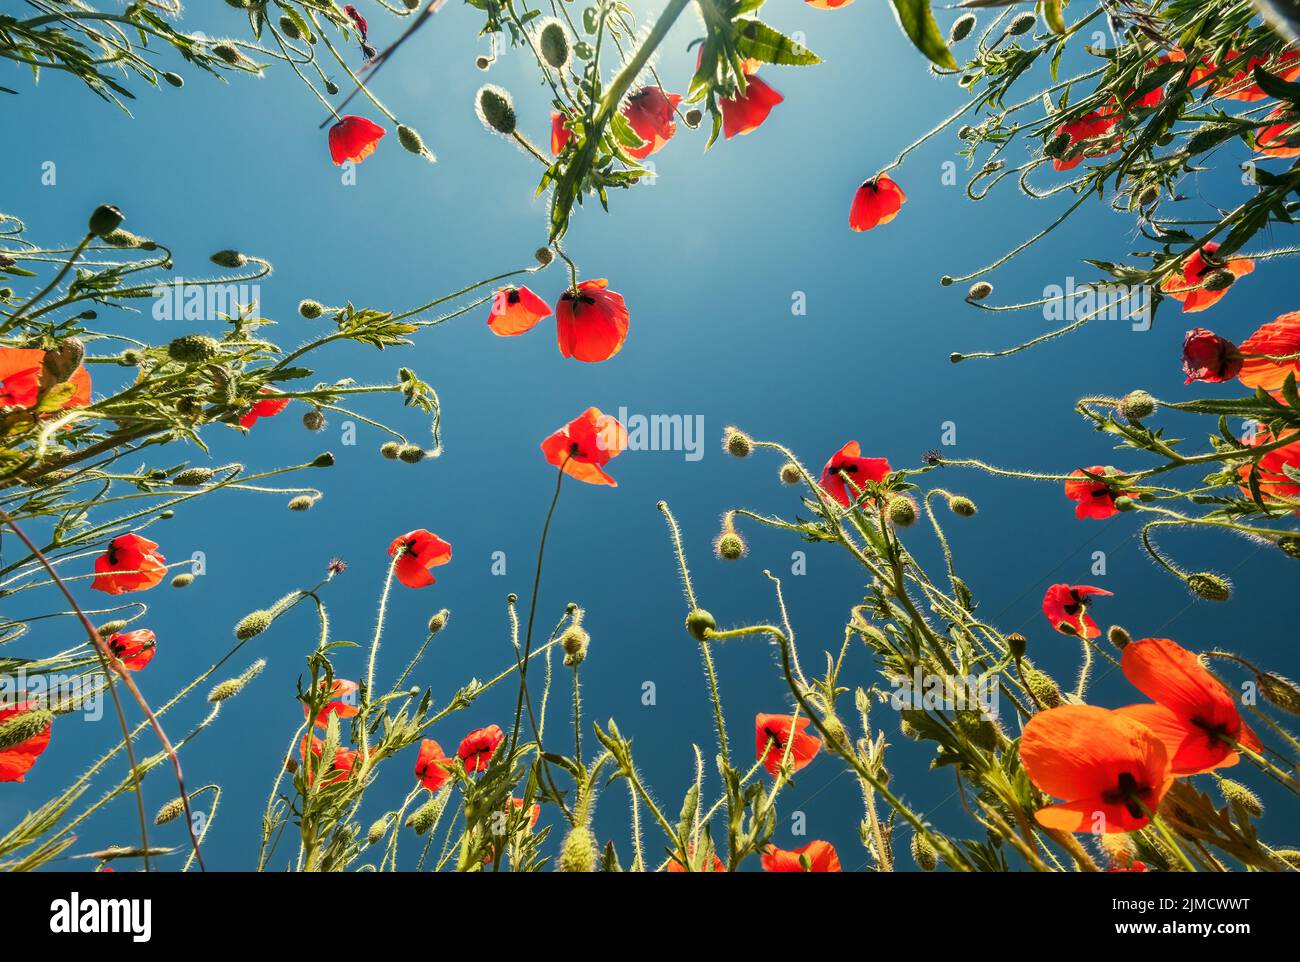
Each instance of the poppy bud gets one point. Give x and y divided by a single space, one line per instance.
125 240
183 580
1118 848
377 830
1018 644
923 853
729 546
574 642
961 506
313 420
496 109
1211 587
410 138
323 460
439 621
1022 24
1137 405
543 255
961 28
253 624
482 62
790 473
981 732
105 220
192 477
233 686
422 819
302 502
736 442
20 728
956 358
1043 687
946 281
176 80
554 41
1290 546
902 511
1241 797
193 349
227 53
170 812
1290 856
390 449
979 290
1278 691
229 259
1119 637
1149 196
310 309
331 87
699 622
290 29
110 628
1057 146
411 453
410 4
578 853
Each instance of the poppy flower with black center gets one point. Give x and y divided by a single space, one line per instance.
848 462
419 550
650 113
1066 609
1110 770
432 766
340 690
477 748
1276 471
1278 338
17 760
131 563
772 732
675 863
135 649
268 407
877 201
344 760
591 325
585 445
354 139
745 113
1186 286
1194 715
516 310
1087 128
560 133
1208 357
813 857
1281 139
1093 499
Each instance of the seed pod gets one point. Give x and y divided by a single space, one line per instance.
543 256
1018 645
323 460
1119 637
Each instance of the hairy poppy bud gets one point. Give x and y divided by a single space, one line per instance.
1022 24
736 442
578 853
1219 280
125 240
313 420
310 309
699 622
422 819
1043 687
1290 546
496 109
1018 644
410 138
110 628
902 511
979 290
323 460
790 473
390 449
554 42
1241 797
183 580
290 28
543 255
1149 196
233 686
1118 848
729 546
961 506
574 641
226 53
981 732
19 728
1279 691
923 853
331 87
961 28
302 502
1057 146
439 621
1119 637
1211 587
170 812
129 358
482 62
1137 405
193 349
378 830
192 477
253 624
411 453
105 220
229 259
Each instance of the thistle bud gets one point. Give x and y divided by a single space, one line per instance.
979 290
578 853
410 138
19 728
313 420
699 622
1239 796
790 473
736 442
105 220
574 641
323 460
961 506
411 454
961 28
1219 280
1017 644
496 110
1118 637
170 812
439 621
902 511
554 42
253 624
193 349
1022 24
302 502
543 256
1137 405
192 477
1209 586
923 853
183 580
391 449
1043 687
310 309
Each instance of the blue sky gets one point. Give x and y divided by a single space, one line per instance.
709 258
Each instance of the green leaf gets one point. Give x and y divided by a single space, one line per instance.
757 40
1275 86
917 21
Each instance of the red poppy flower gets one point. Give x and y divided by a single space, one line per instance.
771 732
1194 715
533 813
339 690
358 21
1066 609
1131 867
1274 479
1279 338
1094 499
17 760
650 112
675 863
746 112
1090 127
877 201
1152 97
432 767
131 563
560 133
267 408
354 139
1109 769
516 310
421 550
828 4
1208 357
20 376
1281 139
593 325
848 462
135 649
585 445
477 748
1186 287
813 857
1240 84
344 759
